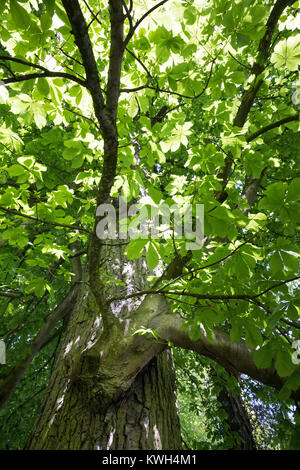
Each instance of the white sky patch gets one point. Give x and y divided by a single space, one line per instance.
56 22
51 63
3 93
291 23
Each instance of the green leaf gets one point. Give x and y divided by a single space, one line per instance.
209 333
195 333
46 21
16 170
19 15
39 114
190 15
152 257
276 263
293 312
38 286
263 356
70 153
275 317
275 195
293 193
287 53
291 261
155 195
4 94
253 335
3 5
134 249
283 363
62 15
77 161
43 86
293 382
236 331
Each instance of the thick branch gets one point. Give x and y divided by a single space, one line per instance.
83 42
236 357
117 48
249 95
259 66
120 369
251 188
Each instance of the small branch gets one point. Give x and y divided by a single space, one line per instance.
279 123
94 16
128 15
10 294
290 323
28 400
70 57
169 92
82 116
137 24
220 148
195 295
274 286
139 61
33 76
243 65
8 68
137 88
212 264
42 221
46 72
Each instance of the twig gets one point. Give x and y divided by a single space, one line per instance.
137 24
243 65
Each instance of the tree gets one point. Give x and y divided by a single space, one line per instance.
172 103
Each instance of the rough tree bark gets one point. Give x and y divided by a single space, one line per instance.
145 417
237 420
111 389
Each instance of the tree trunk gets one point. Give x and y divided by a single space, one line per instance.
237 420
110 388
144 417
